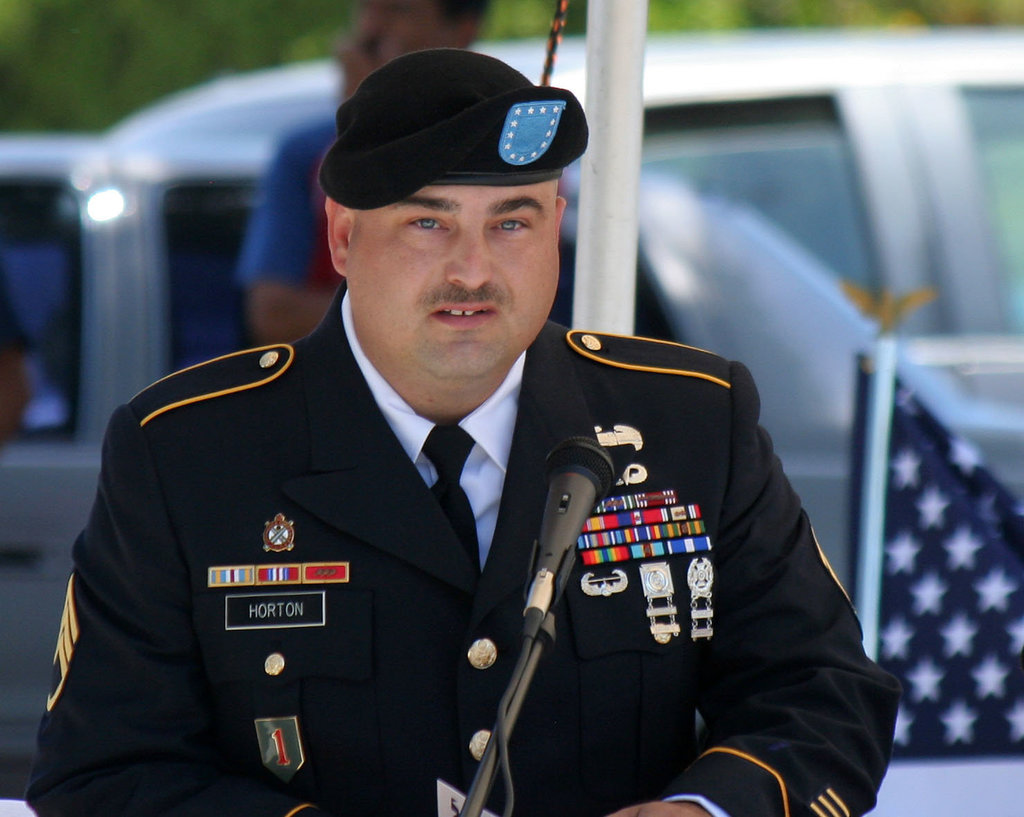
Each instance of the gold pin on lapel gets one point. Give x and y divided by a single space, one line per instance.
268 359
278 534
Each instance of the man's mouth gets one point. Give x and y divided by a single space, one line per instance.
463 312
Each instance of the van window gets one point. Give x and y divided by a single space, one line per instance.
788 159
997 118
40 241
204 223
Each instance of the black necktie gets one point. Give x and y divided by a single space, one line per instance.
447 447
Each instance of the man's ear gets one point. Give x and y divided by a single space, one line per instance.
339 231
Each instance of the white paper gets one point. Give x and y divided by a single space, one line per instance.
450 801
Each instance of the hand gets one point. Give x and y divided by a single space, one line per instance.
660 809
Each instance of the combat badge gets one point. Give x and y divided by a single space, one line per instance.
700 576
656 578
619 435
593 585
635 473
280 746
278 534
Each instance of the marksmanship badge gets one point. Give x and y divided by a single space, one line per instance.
529 130
661 608
700 576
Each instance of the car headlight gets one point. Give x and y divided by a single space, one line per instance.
105 205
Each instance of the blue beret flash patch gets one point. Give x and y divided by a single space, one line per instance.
529 130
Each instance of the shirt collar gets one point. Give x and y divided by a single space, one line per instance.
491 424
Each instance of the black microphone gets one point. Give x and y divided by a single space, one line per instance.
579 474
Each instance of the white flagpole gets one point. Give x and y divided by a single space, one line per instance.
604 287
877 431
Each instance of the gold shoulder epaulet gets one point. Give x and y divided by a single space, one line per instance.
649 355
228 374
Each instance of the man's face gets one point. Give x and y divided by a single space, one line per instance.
385 29
449 286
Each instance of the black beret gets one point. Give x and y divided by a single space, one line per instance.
448 116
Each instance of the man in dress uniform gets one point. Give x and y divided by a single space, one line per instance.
271 614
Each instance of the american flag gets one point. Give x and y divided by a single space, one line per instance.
951 623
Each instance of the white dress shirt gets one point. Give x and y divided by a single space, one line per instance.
490 425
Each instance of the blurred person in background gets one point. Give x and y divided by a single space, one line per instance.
14 382
285 269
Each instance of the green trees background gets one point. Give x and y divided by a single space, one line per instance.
82 65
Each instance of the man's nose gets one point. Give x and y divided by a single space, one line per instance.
469 265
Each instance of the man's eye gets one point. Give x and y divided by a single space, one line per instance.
511 224
426 223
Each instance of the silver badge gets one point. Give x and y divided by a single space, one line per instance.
619 435
700 576
624 435
634 474
659 589
604 585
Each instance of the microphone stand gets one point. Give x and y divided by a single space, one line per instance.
538 635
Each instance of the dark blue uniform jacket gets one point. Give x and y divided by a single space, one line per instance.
188 682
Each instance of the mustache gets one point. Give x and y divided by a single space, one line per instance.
453 293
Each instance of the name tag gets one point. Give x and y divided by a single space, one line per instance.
268 611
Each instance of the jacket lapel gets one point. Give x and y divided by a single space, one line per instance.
360 480
551 409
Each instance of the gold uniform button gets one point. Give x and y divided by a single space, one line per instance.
482 653
478 743
268 359
274 665
592 343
